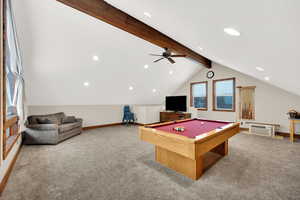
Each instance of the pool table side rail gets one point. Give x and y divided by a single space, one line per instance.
156 125
214 133
182 145
166 123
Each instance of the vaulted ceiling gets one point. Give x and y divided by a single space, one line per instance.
59 44
269 30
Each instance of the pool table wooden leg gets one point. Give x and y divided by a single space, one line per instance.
189 167
221 149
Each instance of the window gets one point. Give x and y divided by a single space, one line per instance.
10 128
199 95
224 95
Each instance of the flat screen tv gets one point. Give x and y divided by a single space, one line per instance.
176 103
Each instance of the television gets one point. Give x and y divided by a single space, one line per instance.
176 103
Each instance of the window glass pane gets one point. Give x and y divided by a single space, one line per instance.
10 77
7 132
10 89
224 92
199 95
10 85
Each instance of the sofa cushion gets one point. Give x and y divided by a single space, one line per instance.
43 127
69 119
46 121
60 116
69 126
56 117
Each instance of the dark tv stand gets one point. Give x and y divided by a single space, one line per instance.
171 116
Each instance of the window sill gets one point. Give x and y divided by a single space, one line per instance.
202 109
217 110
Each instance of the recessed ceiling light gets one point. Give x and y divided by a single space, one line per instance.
232 31
86 84
95 58
154 90
267 78
146 66
147 14
200 48
130 88
171 72
260 69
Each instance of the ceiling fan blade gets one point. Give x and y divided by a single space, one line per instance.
171 60
178 56
151 54
159 59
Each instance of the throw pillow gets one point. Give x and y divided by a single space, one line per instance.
44 121
69 119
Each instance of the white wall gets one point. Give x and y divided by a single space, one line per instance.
271 103
101 114
147 114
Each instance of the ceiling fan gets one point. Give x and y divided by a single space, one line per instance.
167 54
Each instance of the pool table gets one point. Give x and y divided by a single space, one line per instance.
184 151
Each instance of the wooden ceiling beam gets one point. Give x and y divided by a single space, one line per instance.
111 15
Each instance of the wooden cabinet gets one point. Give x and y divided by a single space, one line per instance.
171 116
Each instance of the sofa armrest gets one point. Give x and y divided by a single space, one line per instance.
79 120
41 134
43 127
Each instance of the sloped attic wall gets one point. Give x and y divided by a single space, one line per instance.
58 45
269 33
271 103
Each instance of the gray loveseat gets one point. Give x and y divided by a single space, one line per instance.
51 129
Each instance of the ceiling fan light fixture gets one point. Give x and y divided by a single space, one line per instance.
167 54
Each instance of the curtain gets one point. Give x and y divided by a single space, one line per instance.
14 61
247 103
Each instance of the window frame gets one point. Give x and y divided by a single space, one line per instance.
1 73
192 96
10 123
233 95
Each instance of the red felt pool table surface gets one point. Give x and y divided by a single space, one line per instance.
193 127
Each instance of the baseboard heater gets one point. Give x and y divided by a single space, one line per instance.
264 130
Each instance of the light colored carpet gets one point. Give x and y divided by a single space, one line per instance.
112 164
